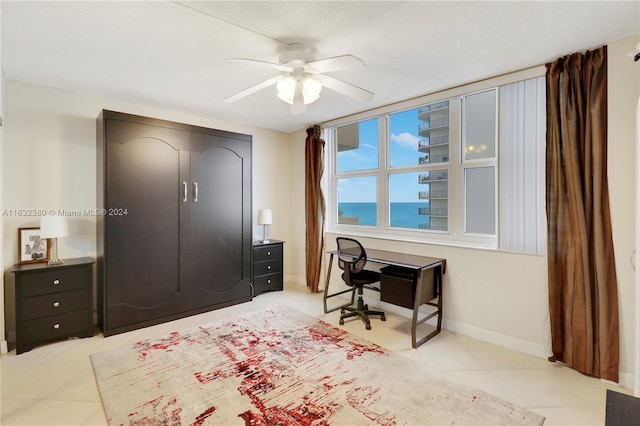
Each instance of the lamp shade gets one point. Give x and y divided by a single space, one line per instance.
53 226
265 217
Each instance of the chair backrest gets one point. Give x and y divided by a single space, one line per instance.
351 255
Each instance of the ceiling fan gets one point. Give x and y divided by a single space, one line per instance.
304 77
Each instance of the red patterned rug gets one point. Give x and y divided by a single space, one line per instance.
279 366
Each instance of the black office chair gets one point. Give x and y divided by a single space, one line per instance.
351 259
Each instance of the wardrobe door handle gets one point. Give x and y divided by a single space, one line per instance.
195 192
184 184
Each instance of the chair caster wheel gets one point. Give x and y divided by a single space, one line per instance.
368 326
383 318
341 321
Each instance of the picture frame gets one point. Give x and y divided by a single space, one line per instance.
32 248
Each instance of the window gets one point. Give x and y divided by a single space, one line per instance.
358 146
432 172
357 203
357 160
479 161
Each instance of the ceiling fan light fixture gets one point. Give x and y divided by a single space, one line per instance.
311 88
286 88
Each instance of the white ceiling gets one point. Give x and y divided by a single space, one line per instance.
174 54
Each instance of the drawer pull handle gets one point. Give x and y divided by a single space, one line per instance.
56 326
268 266
268 281
56 282
56 304
268 253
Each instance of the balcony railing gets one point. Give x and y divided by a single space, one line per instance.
432 211
426 195
431 107
433 141
432 159
431 227
432 177
434 123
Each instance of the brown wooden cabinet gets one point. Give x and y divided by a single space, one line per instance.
53 301
175 236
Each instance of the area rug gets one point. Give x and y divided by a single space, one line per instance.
278 366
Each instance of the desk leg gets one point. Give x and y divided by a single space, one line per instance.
327 295
437 277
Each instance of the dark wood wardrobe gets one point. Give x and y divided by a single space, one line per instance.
174 232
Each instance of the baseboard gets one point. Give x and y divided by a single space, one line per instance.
625 379
295 280
508 342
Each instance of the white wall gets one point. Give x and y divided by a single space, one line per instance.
3 341
623 91
49 161
297 254
502 297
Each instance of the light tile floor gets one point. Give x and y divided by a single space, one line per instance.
54 384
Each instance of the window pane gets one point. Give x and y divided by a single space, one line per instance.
434 188
480 200
357 201
405 201
480 125
358 146
420 135
434 133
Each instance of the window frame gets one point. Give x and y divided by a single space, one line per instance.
453 237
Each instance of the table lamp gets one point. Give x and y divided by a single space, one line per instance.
54 227
264 219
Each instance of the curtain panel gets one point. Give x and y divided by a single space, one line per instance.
314 206
583 295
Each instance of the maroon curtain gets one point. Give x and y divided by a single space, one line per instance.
583 295
314 205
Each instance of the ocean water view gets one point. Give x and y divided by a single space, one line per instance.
403 215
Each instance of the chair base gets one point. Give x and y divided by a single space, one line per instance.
362 311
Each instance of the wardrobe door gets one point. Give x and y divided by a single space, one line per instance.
145 171
220 221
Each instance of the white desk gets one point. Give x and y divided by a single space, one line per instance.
408 261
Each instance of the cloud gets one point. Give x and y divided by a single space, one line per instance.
406 139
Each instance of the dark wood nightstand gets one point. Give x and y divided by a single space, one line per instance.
53 301
267 266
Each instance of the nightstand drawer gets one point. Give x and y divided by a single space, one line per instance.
269 252
268 267
67 324
268 282
46 282
55 303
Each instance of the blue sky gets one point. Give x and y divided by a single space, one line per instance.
404 151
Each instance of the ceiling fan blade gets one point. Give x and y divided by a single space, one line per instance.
347 89
337 63
279 67
253 89
298 106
